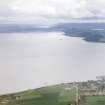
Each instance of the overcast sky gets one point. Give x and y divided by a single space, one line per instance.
50 11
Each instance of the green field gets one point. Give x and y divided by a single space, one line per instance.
94 100
51 95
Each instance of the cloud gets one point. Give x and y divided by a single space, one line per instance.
50 11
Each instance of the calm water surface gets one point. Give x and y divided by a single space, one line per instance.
31 60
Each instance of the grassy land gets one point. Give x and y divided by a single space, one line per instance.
52 95
95 100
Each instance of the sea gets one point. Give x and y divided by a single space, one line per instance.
37 59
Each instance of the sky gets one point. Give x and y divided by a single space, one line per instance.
51 11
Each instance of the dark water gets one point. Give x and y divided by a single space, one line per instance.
31 60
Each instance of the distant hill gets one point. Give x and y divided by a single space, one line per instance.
93 32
